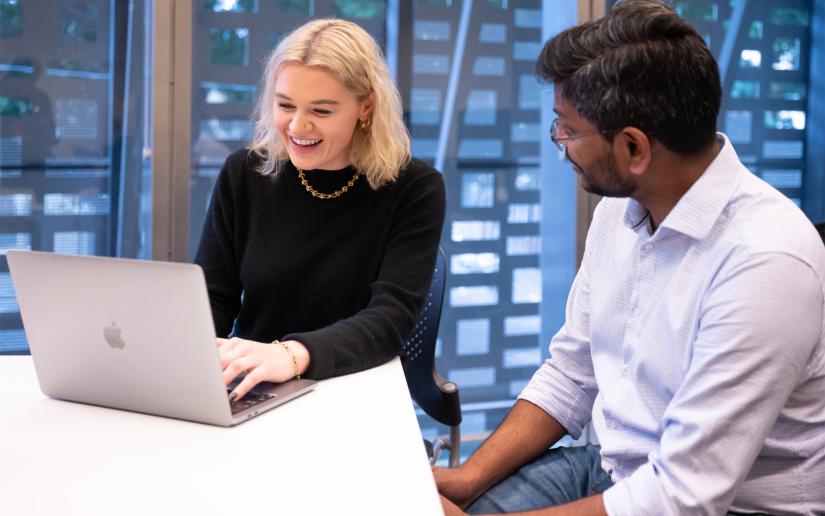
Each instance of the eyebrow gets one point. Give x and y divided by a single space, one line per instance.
314 102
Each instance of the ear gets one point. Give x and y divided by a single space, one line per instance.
367 107
632 149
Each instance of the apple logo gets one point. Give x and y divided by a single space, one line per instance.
112 336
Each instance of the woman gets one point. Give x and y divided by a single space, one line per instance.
320 240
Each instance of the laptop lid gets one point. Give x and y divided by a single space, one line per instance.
129 334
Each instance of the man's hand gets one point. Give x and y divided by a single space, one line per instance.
456 485
450 509
526 433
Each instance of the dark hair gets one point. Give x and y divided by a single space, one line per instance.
643 66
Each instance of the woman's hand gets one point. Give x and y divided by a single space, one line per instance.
261 362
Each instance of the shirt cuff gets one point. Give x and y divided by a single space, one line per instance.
616 500
560 397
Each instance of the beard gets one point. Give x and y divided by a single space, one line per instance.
604 178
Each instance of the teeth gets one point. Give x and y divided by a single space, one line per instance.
305 142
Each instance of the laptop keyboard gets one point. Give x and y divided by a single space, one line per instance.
248 401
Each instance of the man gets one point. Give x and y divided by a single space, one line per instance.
693 339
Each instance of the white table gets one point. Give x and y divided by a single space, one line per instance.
350 447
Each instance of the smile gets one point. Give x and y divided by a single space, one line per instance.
304 143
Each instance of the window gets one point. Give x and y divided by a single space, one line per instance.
74 177
487 140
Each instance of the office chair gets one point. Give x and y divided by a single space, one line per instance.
821 228
435 395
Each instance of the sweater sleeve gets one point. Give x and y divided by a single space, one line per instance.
375 334
217 250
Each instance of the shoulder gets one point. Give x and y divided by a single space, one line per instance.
762 220
609 231
611 207
239 168
612 214
418 187
418 167
419 174
242 159
239 179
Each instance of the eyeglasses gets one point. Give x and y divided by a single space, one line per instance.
559 141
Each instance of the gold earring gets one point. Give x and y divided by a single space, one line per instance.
365 124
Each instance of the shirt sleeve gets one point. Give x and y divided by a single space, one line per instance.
375 334
759 326
217 251
565 385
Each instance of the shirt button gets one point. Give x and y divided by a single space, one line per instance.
647 248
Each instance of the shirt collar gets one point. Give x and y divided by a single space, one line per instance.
698 209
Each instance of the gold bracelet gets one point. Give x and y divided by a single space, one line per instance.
293 355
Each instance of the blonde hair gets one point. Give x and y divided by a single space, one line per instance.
348 52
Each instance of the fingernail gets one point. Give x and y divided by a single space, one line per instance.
233 396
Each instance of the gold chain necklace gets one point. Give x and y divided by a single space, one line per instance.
320 195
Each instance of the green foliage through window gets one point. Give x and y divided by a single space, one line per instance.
789 16
788 90
786 53
229 47
698 12
756 30
11 18
15 107
301 7
78 22
745 90
359 9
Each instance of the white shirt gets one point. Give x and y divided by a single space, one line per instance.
698 351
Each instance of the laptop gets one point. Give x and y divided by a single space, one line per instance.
130 334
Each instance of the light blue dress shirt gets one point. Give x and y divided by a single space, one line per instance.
697 351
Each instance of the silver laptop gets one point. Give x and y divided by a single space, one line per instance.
130 334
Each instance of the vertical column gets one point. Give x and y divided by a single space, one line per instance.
171 136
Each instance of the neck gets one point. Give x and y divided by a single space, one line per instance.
669 177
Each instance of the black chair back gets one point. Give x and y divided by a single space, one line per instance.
821 228
435 395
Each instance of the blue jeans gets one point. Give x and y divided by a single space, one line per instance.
558 476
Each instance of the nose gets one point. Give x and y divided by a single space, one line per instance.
299 123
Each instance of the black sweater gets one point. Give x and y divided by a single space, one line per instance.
346 277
